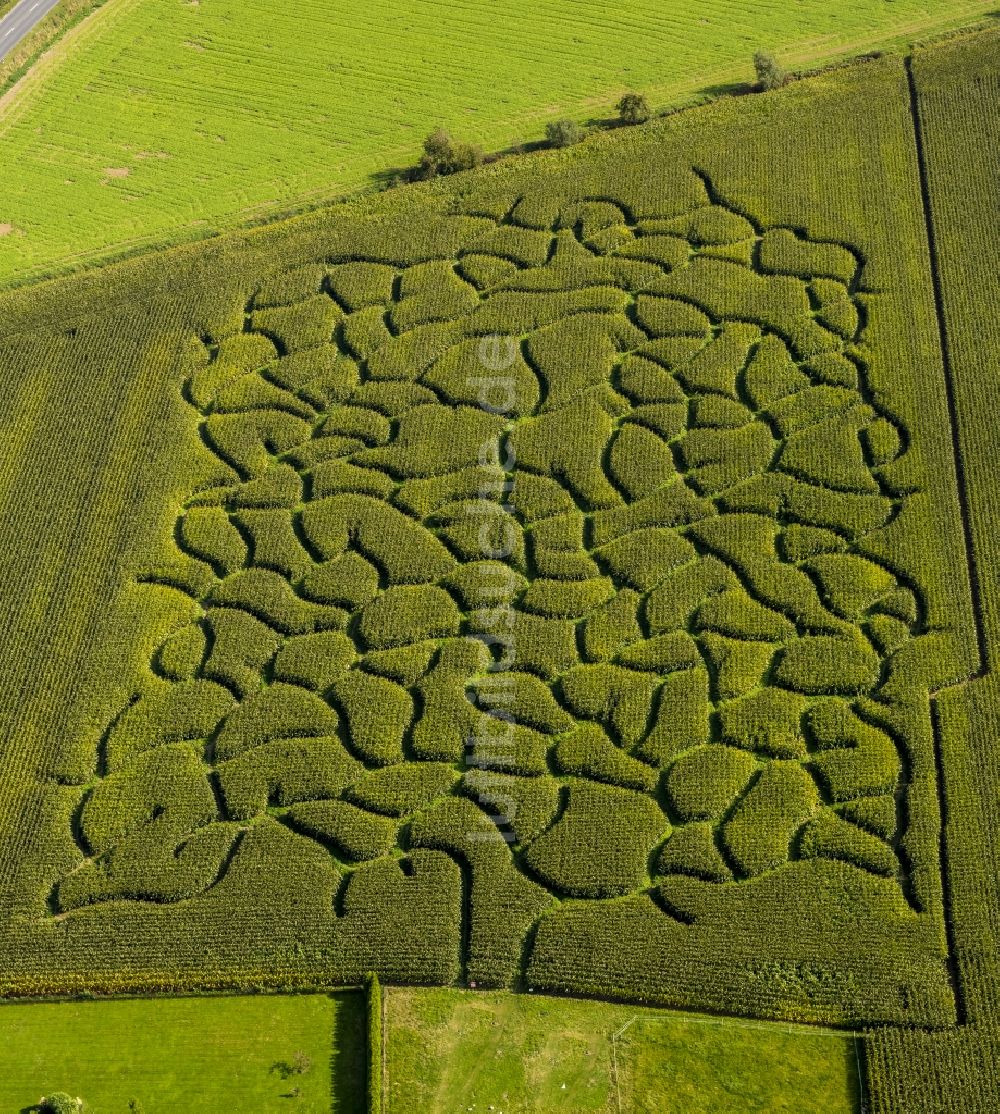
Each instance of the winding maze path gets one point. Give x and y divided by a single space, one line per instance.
679 658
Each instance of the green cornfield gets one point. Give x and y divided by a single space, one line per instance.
572 576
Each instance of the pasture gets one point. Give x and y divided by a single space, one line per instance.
161 120
452 1050
266 1054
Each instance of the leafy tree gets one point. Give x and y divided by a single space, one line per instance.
61 1103
633 108
438 146
769 74
563 133
443 156
299 1064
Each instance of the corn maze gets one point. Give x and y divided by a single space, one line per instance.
602 618
696 650
557 579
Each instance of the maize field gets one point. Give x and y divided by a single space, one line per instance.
575 574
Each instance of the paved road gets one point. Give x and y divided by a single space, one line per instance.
20 20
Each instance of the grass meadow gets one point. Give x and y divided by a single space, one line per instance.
187 1054
451 1050
159 119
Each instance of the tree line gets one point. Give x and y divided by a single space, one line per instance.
443 155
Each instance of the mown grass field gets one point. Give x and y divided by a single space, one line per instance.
693 720
187 1054
163 119
452 1050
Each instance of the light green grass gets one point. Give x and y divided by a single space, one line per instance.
694 1065
216 117
452 1050
186 1054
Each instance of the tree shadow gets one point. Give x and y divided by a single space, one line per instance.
728 89
392 176
605 123
525 148
349 1052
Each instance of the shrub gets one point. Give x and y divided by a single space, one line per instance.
769 74
633 108
563 133
299 1064
61 1103
443 156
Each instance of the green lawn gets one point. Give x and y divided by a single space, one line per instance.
164 118
450 1050
693 1065
187 1054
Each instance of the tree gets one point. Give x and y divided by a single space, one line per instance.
633 108
443 156
61 1103
464 156
299 1064
438 146
563 133
769 74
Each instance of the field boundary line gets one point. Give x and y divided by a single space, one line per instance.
384 1023
861 1078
